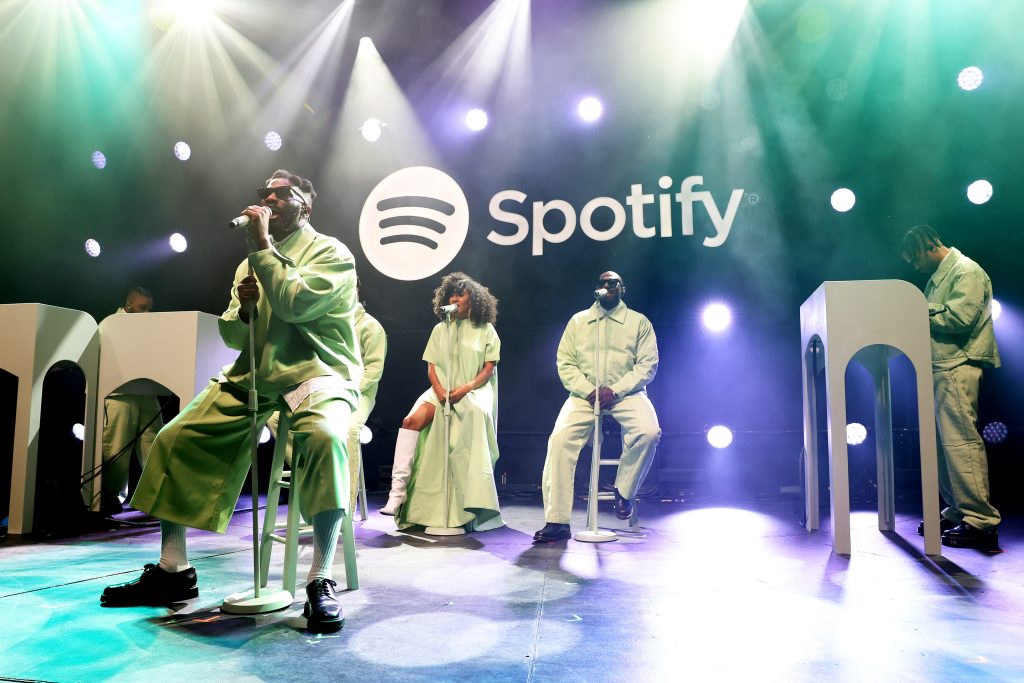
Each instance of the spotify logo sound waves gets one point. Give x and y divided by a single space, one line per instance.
414 223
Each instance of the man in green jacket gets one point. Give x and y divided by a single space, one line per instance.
629 362
959 295
298 289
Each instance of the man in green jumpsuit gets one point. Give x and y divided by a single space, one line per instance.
130 423
298 289
629 360
959 295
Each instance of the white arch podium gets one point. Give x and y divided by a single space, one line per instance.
155 353
868 321
34 337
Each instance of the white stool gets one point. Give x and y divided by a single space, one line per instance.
156 353
280 479
868 321
33 338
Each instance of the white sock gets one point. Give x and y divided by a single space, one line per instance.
173 558
326 526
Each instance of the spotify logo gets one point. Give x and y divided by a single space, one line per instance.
413 223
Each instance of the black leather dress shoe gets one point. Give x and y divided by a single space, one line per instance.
944 526
155 588
623 506
964 535
553 531
322 610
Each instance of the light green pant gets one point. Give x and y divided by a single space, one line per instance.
575 422
199 461
963 464
355 449
126 417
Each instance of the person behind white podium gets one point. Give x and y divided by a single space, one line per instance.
303 291
959 295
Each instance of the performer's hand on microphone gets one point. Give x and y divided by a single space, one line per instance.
248 295
459 392
259 227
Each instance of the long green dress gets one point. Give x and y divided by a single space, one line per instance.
473 498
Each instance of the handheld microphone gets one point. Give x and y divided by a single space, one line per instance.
240 222
449 309
598 293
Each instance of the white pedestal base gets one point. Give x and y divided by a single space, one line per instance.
596 536
444 531
244 602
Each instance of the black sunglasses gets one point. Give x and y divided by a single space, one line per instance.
610 284
264 192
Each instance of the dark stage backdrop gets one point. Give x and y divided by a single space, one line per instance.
803 98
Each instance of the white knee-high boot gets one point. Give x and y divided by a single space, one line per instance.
405 451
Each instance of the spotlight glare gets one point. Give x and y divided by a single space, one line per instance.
970 78
78 430
979 192
92 247
719 436
995 432
843 199
178 242
856 433
265 434
99 159
590 109
365 435
273 141
371 128
182 150
997 310
716 317
476 119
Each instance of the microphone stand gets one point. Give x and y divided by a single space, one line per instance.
449 371
255 602
592 534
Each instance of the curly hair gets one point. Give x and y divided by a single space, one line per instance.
483 306
304 185
918 239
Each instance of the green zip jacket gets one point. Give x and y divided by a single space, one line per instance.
959 298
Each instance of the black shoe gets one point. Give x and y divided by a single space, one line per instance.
623 506
155 588
552 531
944 526
964 535
322 610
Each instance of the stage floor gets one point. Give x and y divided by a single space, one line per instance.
706 593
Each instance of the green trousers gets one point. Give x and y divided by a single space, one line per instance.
199 461
574 425
963 464
126 417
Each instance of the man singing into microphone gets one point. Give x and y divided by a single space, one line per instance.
629 360
301 298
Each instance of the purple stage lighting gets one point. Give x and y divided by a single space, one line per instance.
476 119
997 310
590 109
178 242
995 432
716 317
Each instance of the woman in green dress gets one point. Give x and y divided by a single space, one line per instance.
461 356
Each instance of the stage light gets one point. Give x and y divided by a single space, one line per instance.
78 431
719 436
476 119
366 42
710 99
182 150
92 247
590 109
843 199
371 128
997 310
273 141
995 432
979 192
837 89
365 435
99 159
970 78
264 435
856 433
178 242
716 317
